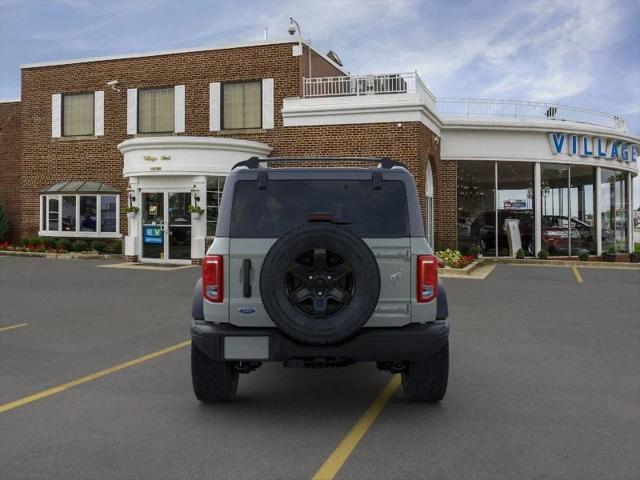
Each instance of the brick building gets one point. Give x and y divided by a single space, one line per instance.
160 131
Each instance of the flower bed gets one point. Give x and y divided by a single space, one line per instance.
454 259
47 245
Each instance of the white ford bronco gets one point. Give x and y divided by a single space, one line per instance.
319 267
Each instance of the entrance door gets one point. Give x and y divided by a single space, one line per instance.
166 227
153 215
179 232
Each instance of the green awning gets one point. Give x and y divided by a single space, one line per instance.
80 186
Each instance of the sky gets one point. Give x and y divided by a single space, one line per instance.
584 52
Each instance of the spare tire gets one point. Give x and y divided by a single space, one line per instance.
320 283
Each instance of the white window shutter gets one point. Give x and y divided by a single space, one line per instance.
179 108
214 107
267 103
56 115
98 112
132 111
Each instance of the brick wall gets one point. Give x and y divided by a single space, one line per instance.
10 163
45 160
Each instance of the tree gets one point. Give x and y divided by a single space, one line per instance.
4 222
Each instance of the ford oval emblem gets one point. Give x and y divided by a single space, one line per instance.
247 310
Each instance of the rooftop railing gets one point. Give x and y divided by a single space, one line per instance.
472 107
356 85
402 83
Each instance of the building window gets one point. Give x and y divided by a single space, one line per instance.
214 193
614 210
53 213
78 114
582 206
88 213
80 209
156 110
477 206
69 213
108 213
515 207
242 105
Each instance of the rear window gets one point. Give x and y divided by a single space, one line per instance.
285 205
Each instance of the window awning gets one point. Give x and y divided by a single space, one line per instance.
80 186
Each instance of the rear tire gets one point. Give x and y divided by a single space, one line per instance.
426 381
213 381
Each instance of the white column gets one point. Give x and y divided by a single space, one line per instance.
199 226
630 211
132 242
537 207
598 218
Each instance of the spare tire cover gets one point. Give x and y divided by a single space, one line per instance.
320 283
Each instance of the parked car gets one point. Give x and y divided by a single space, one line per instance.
319 267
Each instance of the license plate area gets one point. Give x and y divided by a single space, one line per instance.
246 348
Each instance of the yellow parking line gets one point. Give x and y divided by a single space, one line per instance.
94 376
11 327
576 273
334 463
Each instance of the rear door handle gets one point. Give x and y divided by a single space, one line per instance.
246 278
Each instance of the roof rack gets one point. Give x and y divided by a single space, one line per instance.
254 162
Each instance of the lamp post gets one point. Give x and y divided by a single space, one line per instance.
294 28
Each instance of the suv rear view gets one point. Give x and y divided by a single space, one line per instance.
317 267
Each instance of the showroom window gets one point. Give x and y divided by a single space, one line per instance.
477 206
582 207
242 105
614 210
78 114
79 209
156 110
554 190
515 208
214 194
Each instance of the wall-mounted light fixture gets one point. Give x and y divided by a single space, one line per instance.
132 197
195 192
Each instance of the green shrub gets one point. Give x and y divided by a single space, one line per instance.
115 246
98 246
636 248
35 241
611 249
79 246
65 244
583 255
543 254
50 243
520 253
474 252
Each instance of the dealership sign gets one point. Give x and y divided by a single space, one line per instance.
596 147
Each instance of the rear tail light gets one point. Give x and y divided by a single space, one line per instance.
427 276
212 278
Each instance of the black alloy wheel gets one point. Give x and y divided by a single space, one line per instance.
320 283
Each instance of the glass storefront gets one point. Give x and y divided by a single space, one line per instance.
567 208
515 206
583 209
554 191
614 210
477 206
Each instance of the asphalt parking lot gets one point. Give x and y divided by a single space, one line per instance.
545 383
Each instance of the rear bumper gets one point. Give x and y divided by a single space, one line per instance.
410 343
